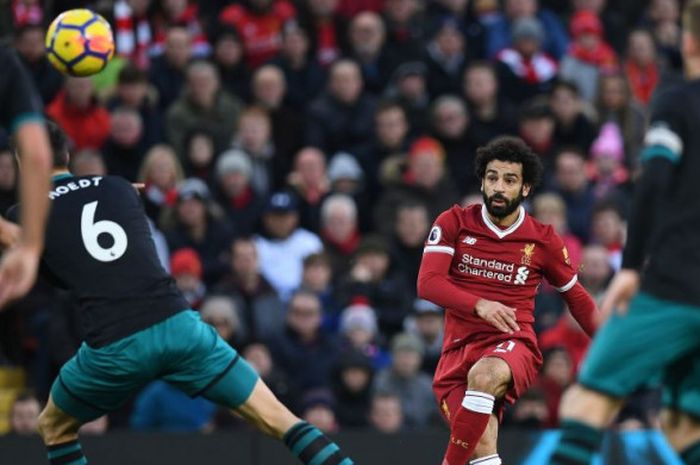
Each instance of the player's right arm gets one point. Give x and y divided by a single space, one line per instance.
435 285
663 151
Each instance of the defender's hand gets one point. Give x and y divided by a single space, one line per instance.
9 233
621 290
498 315
18 270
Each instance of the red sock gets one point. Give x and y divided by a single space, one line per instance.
468 425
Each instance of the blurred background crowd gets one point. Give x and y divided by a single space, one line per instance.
295 153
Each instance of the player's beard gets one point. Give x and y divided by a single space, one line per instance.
509 205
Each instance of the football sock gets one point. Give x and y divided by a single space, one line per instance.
691 455
313 447
577 444
68 453
469 424
488 460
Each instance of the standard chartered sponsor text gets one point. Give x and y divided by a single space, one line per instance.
491 269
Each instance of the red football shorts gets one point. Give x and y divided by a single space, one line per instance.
450 381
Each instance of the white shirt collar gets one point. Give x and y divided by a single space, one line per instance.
501 233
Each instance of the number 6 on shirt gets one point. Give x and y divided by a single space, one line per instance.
90 231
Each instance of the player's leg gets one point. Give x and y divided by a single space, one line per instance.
60 434
626 354
487 380
683 434
680 417
486 452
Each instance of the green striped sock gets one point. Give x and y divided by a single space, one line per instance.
68 453
691 455
577 444
313 447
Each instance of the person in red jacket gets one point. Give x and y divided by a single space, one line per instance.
484 264
76 110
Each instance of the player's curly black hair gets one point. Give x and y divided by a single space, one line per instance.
511 149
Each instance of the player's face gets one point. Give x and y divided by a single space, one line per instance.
503 188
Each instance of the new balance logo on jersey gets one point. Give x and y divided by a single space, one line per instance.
469 240
521 275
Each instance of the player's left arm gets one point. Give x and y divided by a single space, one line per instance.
563 277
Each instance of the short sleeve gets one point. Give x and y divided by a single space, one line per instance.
664 138
20 101
558 269
443 233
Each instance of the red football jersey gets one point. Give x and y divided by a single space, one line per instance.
503 265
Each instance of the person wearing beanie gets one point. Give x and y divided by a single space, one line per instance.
352 388
606 167
186 268
360 333
240 201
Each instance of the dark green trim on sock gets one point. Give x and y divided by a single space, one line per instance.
294 433
68 453
691 455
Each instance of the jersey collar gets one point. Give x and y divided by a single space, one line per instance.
501 233
58 177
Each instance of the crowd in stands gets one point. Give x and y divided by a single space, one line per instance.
294 155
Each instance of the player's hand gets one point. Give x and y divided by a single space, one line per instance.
18 270
497 314
138 186
9 233
623 286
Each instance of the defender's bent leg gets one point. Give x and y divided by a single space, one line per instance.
60 434
307 442
585 413
683 433
487 381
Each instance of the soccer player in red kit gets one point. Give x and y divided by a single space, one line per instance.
484 264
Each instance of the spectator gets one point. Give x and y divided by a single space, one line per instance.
424 180
405 379
571 183
341 117
260 25
133 32
186 269
572 126
270 92
530 411
309 181
303 74
8 181
663 19
405 30
304 352
615 24
524 69
254 138
26 12
199 155
241 203
352 388
202 104
261 309
555 41
549 208
463 11
595 271
367 46
283 245
428 325
615 104
490 114
374 279
557 374
608 230
228 58
346 176
164 408
196 222
317 277
96 427
360 333
180 13
24 415
29 43
386 413
326 28
124 149
167 72
135 92
222 314
607 169
589 55
339 231
641 65
75 108
566 334
409 88
84 163
446 57
407 240
450 124
318 408
536 127
160 173
282 386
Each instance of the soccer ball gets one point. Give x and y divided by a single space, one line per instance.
79 42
